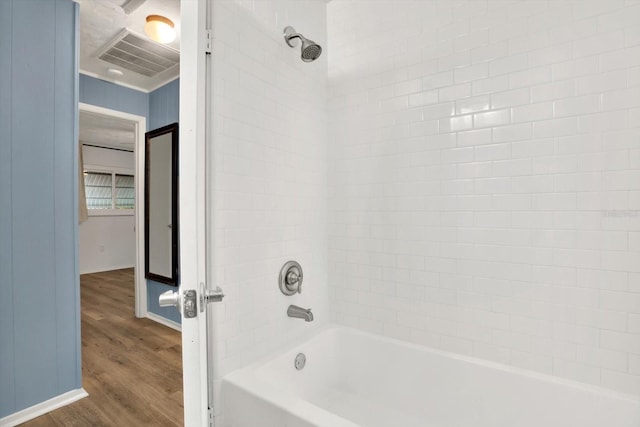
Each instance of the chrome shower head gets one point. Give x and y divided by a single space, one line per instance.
310 50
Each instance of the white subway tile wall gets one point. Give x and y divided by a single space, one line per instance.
268 175
484 179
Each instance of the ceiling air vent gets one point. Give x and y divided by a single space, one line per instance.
139 54
131 5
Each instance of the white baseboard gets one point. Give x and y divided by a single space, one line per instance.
110 268
42 408
163 321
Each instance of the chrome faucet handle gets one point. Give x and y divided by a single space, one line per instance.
294 278
290 279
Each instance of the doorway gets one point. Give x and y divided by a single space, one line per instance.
124 387
112 144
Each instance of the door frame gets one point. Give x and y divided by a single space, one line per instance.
193 206
140 123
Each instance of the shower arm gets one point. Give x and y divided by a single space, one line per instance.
290 36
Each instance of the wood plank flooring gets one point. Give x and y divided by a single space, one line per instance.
131 368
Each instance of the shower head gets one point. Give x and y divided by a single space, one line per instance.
310 50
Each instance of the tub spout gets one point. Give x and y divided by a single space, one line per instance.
300 313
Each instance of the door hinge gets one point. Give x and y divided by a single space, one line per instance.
210 412
208 41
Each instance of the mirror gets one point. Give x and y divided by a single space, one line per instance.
161 205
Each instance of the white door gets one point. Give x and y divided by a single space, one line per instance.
192 210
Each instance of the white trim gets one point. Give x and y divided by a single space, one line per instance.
110 268
164 321
111 212
43 407
139 153
120 171
103 78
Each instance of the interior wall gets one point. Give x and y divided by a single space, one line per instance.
268 174
485 180
164 109
110 95
39 319
164 105
160 107
107 242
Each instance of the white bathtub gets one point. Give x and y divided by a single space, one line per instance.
353 379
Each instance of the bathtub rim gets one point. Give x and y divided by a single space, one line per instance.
333 327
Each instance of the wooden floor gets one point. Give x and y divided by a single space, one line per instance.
131 368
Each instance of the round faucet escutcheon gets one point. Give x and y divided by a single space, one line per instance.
290 279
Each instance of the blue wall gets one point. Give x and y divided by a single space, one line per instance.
39 317
164 104
160 107
109 95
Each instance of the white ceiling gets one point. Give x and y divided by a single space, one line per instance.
102 20
104 131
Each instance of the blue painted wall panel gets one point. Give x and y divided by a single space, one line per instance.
37 252
164 107
7 377
33 247
154 289
109 95
66 213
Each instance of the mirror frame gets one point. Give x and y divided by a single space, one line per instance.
173 129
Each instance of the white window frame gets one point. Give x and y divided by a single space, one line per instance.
113 171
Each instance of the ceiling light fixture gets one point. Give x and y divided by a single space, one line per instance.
160 29
115 72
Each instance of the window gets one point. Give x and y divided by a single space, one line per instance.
125 189
98 188
109 192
